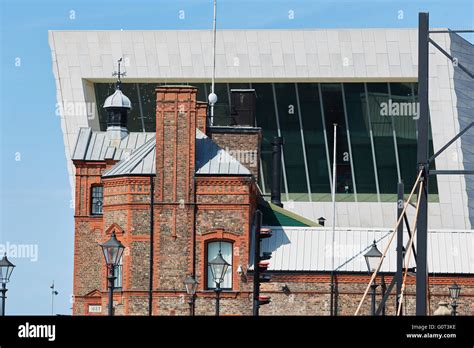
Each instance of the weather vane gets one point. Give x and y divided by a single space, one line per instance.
119 74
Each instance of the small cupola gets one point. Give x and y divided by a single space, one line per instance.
117 106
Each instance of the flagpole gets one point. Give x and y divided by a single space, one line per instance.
333 218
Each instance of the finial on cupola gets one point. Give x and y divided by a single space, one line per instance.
117 106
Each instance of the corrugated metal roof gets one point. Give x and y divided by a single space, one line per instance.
141 162
136 154
309 249
96 146
211 159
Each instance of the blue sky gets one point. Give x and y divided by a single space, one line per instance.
35 194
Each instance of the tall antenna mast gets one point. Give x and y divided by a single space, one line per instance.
212 96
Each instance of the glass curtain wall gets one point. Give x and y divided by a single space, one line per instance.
379 134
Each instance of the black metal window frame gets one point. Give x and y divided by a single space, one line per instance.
97 199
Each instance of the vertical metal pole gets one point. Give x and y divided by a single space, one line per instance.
213 58
191 306
384 290
218 292
334 183
455 306
374 287
4 296
150 284
111 291
256 258
399 274
422 158
276 171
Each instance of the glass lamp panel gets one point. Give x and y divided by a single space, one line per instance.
226 252
6 269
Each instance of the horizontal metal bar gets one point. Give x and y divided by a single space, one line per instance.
450 142
451 31
459 65
451 172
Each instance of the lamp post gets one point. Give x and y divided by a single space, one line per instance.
191 284
6 269
372 258
219 268
113 251
454 291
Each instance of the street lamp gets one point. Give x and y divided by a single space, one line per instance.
218 269
191 284
113 251
454 291
372 258
6 269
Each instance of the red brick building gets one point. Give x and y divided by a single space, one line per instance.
175 197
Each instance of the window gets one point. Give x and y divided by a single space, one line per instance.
226 251
118 273
97 201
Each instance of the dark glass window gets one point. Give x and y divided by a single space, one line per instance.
213 249
383 138
334 113
360 109
266 119
97 200
313 130
359 128
288 116
403 113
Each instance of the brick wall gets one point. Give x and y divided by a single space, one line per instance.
242 143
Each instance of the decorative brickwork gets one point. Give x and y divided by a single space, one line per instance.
188 213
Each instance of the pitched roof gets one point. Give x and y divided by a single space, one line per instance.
309 249
141 162
96 146
136 154
273 215
211 159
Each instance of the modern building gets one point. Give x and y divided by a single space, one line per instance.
305 81
363 80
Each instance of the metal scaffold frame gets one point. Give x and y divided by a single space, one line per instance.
420 224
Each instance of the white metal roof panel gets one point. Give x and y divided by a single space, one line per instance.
141 162
213 160
96 146
309 249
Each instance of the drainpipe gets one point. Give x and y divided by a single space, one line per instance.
150 290
276 169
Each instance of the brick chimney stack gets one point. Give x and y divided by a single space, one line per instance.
176 113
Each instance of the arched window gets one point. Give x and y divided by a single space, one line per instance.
226 251
97 200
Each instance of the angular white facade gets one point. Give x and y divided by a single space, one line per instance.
82 58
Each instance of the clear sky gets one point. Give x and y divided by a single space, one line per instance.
35 195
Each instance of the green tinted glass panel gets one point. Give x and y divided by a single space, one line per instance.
359 129
266 119
334 113
285 94
313 130
383 137
403 110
